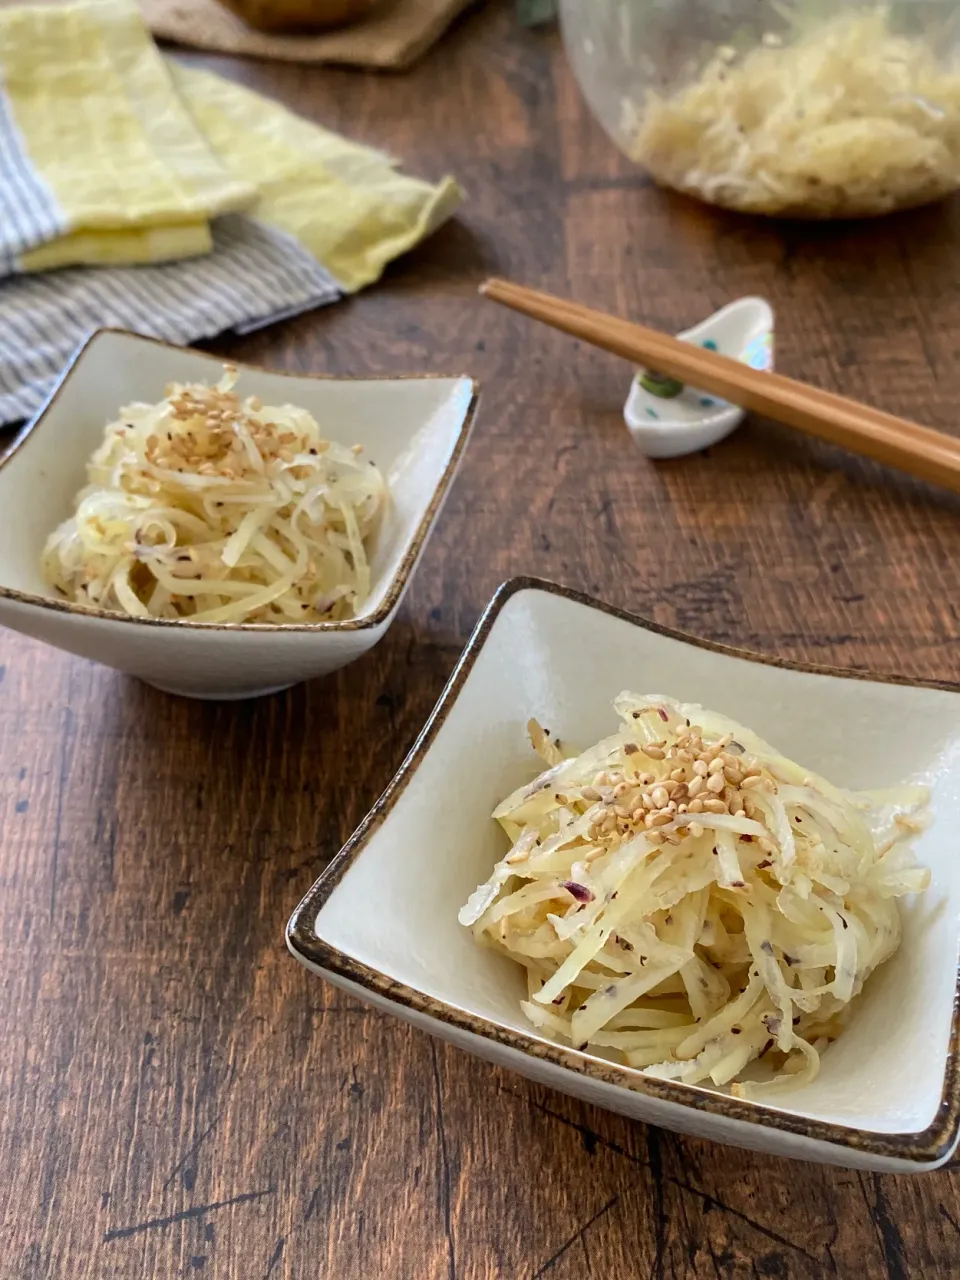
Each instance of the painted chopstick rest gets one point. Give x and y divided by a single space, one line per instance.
668 419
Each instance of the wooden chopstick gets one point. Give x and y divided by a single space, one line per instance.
919 451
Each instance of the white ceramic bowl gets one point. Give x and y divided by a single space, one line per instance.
382 920
415 429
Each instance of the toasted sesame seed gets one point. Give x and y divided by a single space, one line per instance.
658 819
715 766
695 830
590 793
695 806
906 822
750 781
714 806
646 779
655 753
660 796
716 783
700 768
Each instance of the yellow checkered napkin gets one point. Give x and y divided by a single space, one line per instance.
111 155
100 161
345 203
113 158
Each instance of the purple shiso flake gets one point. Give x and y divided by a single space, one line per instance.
578 891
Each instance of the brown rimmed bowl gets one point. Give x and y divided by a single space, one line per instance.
414 428
381 921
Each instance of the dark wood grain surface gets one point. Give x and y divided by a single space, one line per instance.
179 1097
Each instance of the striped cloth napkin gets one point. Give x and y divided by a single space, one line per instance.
255 276
168 200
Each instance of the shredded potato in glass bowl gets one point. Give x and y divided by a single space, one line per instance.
692 903
215 509
788 108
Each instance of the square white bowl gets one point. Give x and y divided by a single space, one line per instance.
414 428
382 919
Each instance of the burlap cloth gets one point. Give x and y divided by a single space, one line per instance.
394 35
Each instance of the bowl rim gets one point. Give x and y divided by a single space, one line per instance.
404 570
925 1147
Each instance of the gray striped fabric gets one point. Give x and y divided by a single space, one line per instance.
255 275
28 212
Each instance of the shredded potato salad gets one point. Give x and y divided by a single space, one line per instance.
845 119
217 509
686 900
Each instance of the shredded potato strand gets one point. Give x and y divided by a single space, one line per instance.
846 119
220 510
686 899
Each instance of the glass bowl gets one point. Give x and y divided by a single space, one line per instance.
790 108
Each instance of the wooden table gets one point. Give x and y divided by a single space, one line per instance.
178 1095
